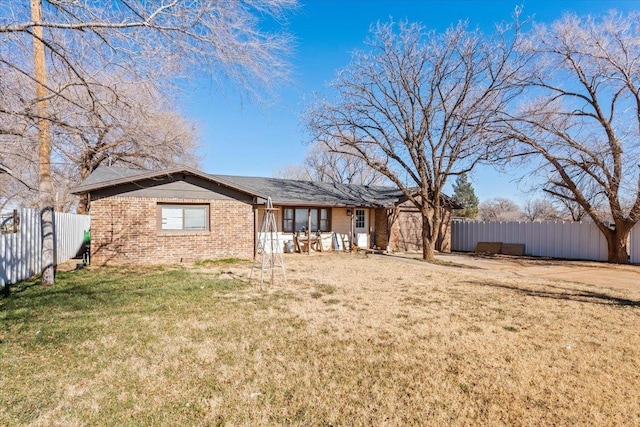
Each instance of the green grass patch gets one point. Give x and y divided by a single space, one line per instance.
324 289
219 262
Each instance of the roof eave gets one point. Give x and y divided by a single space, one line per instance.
81 189
300 203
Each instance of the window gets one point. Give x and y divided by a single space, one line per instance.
287 220
359 218
301 219
324 220
183 217
297 219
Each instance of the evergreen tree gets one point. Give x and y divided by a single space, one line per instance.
464 194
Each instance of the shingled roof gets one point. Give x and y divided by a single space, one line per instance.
294 192
112 176
282 191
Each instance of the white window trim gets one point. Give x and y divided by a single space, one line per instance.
159 218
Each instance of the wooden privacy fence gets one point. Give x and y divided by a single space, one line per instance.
20 251
554 239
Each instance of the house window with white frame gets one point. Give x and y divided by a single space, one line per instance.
183 218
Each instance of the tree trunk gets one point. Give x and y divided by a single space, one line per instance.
428 242
45 186
85 170
83 204
443 240
617 245
48 243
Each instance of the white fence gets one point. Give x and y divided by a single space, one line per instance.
555 239
634 247
20 253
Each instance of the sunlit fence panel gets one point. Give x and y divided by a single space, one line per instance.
554 239
20 245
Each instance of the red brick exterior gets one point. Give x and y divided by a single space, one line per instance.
381 226
124 230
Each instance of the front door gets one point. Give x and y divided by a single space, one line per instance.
361 227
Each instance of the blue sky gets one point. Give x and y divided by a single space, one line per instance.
242 138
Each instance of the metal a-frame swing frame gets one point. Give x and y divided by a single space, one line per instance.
268 252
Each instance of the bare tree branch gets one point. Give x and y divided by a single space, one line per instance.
415 106
580 115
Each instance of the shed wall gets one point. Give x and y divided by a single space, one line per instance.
406 231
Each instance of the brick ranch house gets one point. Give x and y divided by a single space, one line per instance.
182 214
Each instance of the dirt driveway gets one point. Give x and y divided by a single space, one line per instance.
586 272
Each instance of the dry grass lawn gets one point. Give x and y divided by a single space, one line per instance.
348 340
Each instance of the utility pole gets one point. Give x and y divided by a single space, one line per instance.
45 186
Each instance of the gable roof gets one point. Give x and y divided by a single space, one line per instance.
112 176
285 192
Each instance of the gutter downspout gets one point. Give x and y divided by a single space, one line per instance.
255 227
309 231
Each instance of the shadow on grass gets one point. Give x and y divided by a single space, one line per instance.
108 291
417 258
19 287
578 295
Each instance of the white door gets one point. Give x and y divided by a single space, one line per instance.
361 227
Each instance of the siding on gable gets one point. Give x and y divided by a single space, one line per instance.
179 186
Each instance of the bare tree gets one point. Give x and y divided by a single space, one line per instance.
540 210
133 126
296 172
500 209
414 107
340 167
567 206
151 41
323 164
581 117
136 128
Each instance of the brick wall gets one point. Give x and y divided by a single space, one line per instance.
381 226
406 231
124 230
